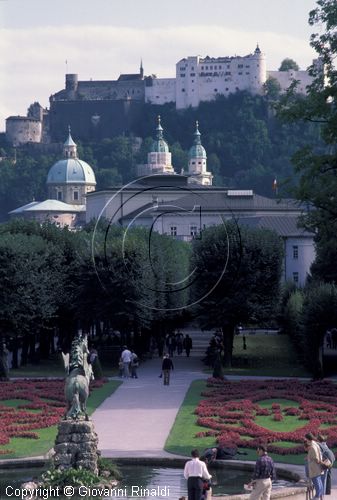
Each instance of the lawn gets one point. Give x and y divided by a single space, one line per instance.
266 355
30 411
246 413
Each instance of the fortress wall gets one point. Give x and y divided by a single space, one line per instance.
93 120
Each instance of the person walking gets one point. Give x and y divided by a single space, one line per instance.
314 459
187 344
328 458
126 359
264 473
166 367
134 364
194 472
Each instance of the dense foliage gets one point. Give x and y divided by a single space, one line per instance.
56 280
237 278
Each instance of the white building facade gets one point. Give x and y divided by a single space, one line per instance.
201 79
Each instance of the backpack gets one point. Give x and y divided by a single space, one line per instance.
328 456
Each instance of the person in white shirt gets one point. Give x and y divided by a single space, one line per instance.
126 357
195 471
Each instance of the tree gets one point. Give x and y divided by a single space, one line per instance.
272 88
237 278
319 315
288 64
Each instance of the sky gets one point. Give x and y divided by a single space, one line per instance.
42 40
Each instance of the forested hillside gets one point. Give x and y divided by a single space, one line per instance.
246 144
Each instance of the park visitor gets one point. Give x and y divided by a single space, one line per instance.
194 472
264 472
328 458
166 367
314 459
126 360
187 344
134 364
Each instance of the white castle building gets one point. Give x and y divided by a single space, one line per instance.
202 79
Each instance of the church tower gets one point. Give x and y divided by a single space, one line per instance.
159 159
197 162
70 179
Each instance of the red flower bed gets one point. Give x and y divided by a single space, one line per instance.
46 396
218 412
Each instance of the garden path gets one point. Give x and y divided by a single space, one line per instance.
137 418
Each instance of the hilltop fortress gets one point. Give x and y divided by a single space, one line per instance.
98 109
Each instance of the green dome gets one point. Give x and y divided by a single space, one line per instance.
159 145
197 150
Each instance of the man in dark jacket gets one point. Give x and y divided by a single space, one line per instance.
166 367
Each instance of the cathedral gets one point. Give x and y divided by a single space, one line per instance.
69 180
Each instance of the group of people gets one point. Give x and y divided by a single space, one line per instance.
128 363
177 342
319 462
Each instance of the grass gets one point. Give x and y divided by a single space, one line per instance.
289 423
182 440
24 447
266 355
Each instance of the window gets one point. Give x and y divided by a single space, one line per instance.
182 75
173 230
76 195
192 74
193 231
183 90
240 72
59 195
295 277
215 90
240 65
228 73
295 252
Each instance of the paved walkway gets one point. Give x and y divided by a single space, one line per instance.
137 418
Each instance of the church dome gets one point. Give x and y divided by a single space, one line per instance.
197 150
71 170
159 145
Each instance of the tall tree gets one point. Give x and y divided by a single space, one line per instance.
237 278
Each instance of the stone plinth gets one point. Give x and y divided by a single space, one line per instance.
76 446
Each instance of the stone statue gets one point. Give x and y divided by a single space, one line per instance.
77 382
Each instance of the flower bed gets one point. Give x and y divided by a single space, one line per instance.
229 411
45 397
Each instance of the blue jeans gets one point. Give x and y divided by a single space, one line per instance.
323 479
318 485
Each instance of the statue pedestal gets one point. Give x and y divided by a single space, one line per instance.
76 445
